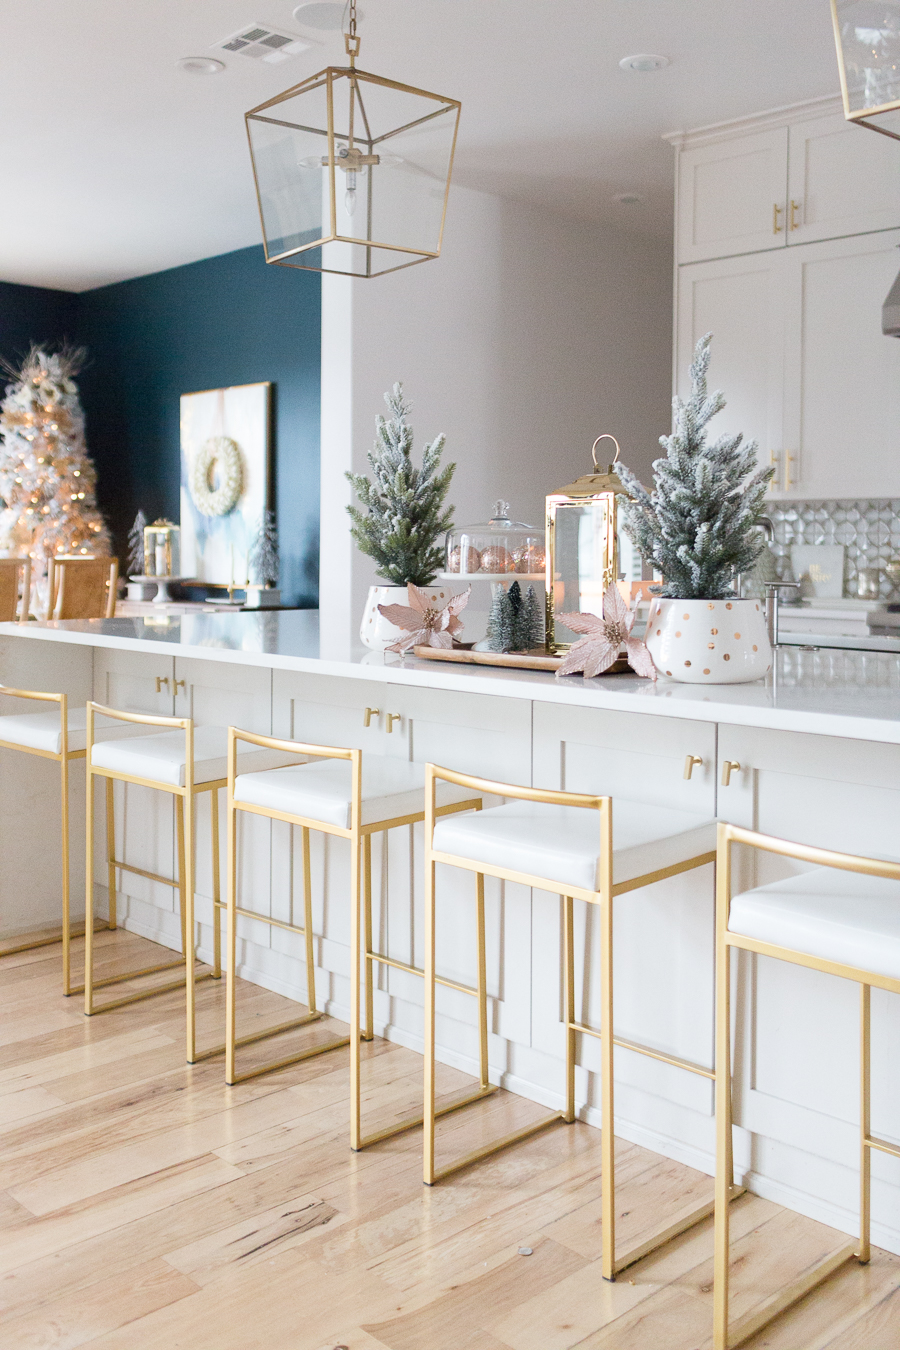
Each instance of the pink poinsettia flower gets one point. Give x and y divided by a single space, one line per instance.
426 625
604 639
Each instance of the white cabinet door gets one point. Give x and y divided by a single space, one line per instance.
842 180
842 375
741 302
732 196
663 936
796 1060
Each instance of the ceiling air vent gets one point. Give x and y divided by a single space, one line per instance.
262 42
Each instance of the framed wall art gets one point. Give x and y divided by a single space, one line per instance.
225 480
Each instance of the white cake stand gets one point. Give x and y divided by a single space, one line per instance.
162 584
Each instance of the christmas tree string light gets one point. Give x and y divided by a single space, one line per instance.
47 481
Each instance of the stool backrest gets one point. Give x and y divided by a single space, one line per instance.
82 588
10 571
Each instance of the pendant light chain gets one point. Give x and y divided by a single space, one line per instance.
351 38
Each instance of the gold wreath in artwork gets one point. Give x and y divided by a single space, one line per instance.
222 453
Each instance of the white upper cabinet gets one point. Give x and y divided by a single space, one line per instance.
783 179
732 196
842 180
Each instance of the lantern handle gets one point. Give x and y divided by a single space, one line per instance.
605 437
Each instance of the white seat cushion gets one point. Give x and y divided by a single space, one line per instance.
562 843
840 916
43 731
160 757
321 790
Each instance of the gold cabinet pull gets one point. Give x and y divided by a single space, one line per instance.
691 763
729 766
794 222
160 681
789 479
179 684
369 714
776 212
392 718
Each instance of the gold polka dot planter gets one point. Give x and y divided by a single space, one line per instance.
709 641
376 631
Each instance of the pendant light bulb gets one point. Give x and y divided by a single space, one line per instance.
350 194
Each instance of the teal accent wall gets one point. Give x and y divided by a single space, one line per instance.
223 321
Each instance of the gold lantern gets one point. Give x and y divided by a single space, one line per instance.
585 554
162 549
867 36
352 170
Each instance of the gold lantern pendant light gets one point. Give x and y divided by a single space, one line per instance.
584 546
352 170
867 37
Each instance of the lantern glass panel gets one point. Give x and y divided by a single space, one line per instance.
868 38
162 549
583 560
380 206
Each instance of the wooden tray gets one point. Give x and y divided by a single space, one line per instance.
531 660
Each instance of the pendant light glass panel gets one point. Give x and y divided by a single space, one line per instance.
352 173
867 35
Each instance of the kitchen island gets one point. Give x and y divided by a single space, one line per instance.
815 756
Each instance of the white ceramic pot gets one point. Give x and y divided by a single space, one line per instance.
376 631
709 641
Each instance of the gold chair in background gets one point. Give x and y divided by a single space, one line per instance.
843 918
565 843
82 588
15 577
340 793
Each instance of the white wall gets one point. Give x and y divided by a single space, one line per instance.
529 336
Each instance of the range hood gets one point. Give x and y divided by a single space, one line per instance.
890 312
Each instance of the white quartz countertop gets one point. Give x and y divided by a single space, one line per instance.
849 693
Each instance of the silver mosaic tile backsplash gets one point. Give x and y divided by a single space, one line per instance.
869 531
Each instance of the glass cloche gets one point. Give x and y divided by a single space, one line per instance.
499 547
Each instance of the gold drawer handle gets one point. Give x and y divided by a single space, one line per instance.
794 222
160 681
729 766
391 719
369 714
179 684
776 212
691 763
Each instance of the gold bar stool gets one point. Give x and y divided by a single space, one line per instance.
337 794
182 760
562 842
843 917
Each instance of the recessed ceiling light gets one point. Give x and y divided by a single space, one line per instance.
326 15
199 65
628 198
643 62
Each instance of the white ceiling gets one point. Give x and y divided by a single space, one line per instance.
117 164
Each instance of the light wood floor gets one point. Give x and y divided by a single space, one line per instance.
146 1206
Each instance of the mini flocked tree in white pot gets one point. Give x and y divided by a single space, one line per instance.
698 529
404 518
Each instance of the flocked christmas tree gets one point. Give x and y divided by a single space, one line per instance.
47 481
697 527
264 565
515 623
405 505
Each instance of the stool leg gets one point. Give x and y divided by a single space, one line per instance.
355 936
865 1158
66 933
482 985
569 1003
369 1033
182 893
111 851
724 1163
216 885
607 1113
89 893
429 972
188 879
231 941
308 924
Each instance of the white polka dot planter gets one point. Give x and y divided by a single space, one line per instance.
376 631
709 641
